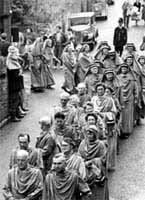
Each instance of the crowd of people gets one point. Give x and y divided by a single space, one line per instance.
103 100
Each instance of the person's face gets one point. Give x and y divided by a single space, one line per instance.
65 147
142 61
89 109
81 90
63 101
94 70
109 76
59 122
130 49
100 90
58 165
108 92
129 61
58 29
124 70
22 162
23 143
70 50
120 23
49 43
90 135
91 120
105 51
44 127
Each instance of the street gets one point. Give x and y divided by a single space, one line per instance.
127 182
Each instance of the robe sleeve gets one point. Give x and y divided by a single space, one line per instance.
7 193
39 187
49 147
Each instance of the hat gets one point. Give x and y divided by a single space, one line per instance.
105 47
141 57
120 20
109 70
3 35
45 120
128 56
131 45
92 128
64 95
124 65
100 84
102 43
69 141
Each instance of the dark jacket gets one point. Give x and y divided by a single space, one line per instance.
120 36
4 45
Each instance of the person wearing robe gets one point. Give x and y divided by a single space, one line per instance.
116 59
99 51
69 62
37 78
93 76
48 62
64 184
93 151
46 143
136 70
23 181
128 98
113 132
35 155
64 107
103 53
110 79
84 61
61 129
141 61
82 94
73 160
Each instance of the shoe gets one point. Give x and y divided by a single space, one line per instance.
20 116
15 119
25 109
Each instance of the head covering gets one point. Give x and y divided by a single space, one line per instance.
100 68
102 43
45 120
59 157
131 45
81 85
105 47
92 128
141 57
84 47
120 20
128 56
12 49
64 95
3 36
101 84
69 141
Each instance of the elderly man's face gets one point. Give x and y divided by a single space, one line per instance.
44 127
22 162
64 101
81 90
58 165
23 143
100 90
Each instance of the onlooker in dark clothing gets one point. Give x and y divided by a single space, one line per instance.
4 45
120 37
138 5
60 41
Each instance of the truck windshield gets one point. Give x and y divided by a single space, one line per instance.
79 21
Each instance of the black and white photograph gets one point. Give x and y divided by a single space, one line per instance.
72 99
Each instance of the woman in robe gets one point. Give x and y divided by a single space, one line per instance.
141 61
73 160
136 70
93 76
93 151
128 98
48 62
37 79
110 79
103 51
84 61
69 62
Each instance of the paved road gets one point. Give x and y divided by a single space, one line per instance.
127 182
